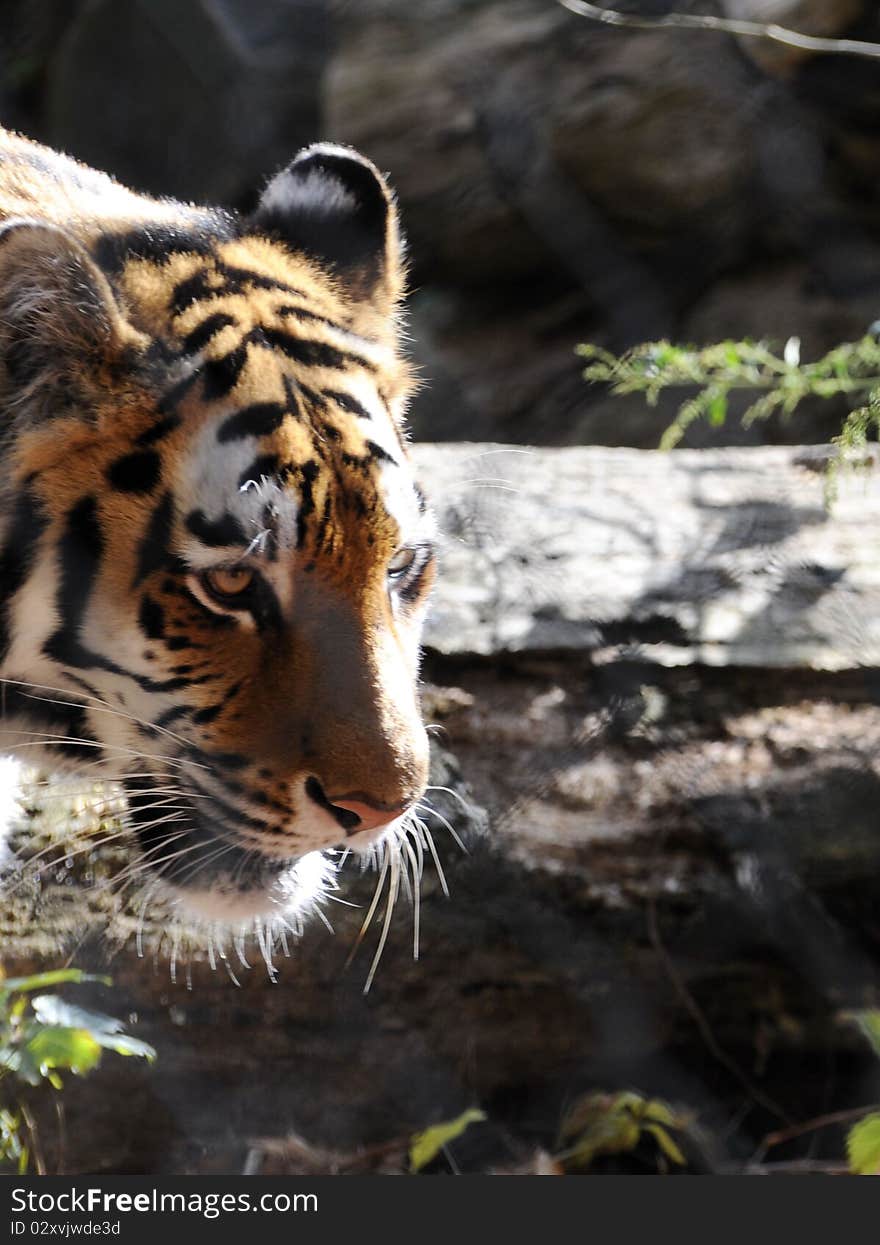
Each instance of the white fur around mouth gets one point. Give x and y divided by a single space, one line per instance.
297 891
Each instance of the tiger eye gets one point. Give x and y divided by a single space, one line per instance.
401 562
226 583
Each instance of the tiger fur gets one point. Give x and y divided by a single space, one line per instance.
214 559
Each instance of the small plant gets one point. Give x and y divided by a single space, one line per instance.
42 1035
603 1124
780 381
863 1138
425 1146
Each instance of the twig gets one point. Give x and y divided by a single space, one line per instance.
820 1121
699 1019
62 1138
732 26
35 1147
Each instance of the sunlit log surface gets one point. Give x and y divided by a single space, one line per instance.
726 558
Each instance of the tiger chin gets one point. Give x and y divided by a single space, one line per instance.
214 558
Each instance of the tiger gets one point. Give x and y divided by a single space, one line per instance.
215 558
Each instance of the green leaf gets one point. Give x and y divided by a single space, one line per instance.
601 1124
863 1146
39 981
54 1046
614 1124
868 1022
716 409
107 1031
425 1146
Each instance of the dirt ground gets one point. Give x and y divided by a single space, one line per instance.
676 894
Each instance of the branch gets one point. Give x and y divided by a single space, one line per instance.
821 1121
751 30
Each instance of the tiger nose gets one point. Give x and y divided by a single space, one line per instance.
354 816
363 816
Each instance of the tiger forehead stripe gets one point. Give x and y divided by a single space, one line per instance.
223 531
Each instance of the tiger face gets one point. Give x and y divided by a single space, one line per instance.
215 559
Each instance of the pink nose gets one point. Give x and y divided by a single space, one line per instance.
370 817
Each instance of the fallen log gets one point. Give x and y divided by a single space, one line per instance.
720 557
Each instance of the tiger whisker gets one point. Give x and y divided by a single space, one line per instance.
393 886
98 701
44 738
424 807
377 894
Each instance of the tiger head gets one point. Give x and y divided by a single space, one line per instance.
216 558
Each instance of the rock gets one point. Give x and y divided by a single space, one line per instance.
773 304
421 64
207 99
479 99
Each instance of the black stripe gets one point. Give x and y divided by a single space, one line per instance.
231 812
65 719
158 242
219 376
135 473
80 550
160 429
253 421
323 524
265 608
294 393
167 685
382 455
177 642
309 353
25 529
215 532
202 333
79 553
303 313
237 280
348 403
308 473
153 551
207 715
293 388
263 467
204 285
152 619
218 760
191 290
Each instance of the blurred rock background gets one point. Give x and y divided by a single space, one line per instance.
560 181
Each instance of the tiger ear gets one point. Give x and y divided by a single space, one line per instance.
60 325
336 207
